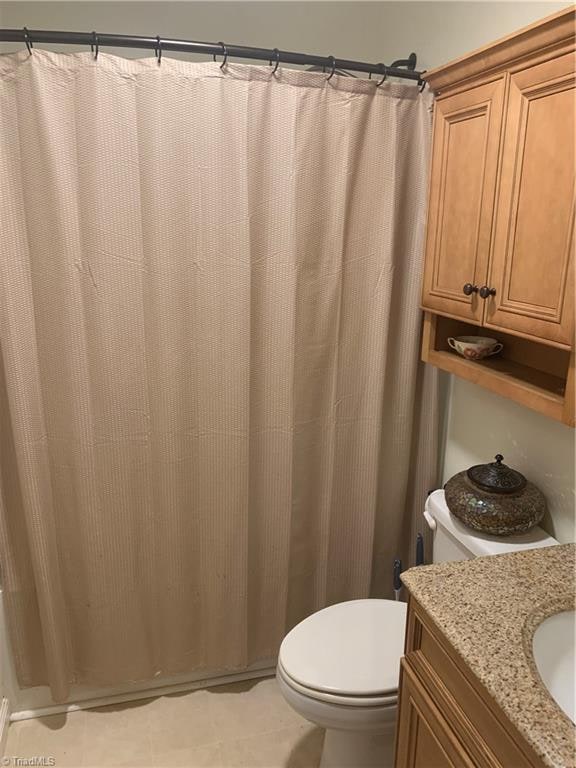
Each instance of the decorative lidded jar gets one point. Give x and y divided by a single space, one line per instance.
495 499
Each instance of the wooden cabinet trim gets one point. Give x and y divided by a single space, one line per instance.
568 414
525 62
542 40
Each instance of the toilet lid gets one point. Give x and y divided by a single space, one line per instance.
351 649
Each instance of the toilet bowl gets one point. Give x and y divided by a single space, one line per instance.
339 669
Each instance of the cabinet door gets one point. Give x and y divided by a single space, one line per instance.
424 738
532 264
466 143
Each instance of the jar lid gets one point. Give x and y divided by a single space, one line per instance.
496 477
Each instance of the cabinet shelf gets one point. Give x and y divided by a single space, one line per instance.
533 374
541 383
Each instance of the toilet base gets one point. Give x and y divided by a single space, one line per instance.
353 749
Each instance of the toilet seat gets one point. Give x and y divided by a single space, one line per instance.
388 700
347 654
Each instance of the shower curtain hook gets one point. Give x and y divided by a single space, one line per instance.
333 62
385 75
94 46
225 54
276 53
421 85
158 49
27 40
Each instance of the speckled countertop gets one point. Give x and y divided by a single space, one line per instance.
488 610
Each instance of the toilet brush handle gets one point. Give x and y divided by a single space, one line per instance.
396 578
419 549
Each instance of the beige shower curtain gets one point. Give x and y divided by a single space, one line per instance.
212 421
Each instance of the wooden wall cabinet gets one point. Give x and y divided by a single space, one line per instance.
531 265
461 201
500 238
446 719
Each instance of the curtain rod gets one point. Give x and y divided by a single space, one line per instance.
402 68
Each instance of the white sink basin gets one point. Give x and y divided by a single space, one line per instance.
553 649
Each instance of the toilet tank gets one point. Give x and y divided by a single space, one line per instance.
454 541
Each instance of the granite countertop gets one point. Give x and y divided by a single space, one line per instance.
488 609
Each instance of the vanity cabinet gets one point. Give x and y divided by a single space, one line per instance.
500 234
446 718
425 737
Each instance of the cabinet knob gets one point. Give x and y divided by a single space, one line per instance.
485 292
469 289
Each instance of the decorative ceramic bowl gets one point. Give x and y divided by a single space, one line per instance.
475 347
495 499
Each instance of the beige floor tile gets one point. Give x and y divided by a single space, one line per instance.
12 739
244 725
119 748
181 722
177 702
118 736
296 747
58 736
209 756
249 708
117 716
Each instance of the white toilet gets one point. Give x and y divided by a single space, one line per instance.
339 667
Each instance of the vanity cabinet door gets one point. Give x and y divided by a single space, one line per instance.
467 128
531 271
424 739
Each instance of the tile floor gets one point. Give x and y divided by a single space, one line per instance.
242 725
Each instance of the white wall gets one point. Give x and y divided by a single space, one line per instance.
373 31
481 424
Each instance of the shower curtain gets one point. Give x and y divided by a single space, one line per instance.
213 420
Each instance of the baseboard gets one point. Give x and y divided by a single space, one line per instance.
154 689
4 723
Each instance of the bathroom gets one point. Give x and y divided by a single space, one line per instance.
229 390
